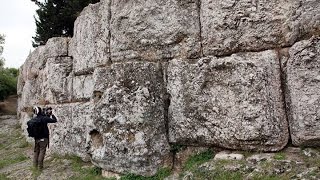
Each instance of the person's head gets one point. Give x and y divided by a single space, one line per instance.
37 110
49 111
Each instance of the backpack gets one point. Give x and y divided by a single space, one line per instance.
35 127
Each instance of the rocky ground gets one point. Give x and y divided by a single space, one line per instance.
291 163
16 158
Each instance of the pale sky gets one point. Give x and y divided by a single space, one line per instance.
18 26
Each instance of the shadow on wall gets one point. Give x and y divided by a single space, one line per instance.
9 106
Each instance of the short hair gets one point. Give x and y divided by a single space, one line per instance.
36 110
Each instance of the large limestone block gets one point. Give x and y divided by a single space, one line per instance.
69 134
33 64
57 47
35 74
154 30
230 26
58 86
82 87
233 102
303 92
130 131
90 44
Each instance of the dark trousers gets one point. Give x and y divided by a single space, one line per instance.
40 147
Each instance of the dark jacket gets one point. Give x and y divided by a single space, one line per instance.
44 122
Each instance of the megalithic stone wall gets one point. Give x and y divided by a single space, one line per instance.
140 77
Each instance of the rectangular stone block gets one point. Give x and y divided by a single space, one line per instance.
90 44
129 132
233 102
57 47
154 30
303 92
57 85
230 26
82 88
69 134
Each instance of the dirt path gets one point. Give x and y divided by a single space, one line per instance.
16 157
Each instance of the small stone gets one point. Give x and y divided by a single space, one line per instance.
224 156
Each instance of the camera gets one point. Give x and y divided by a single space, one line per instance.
47 111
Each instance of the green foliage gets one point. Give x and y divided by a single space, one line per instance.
12 160
161 174
56 18
3 177
85 172
2 40
8 82
279 156
226 175
174 148
198 159
269 177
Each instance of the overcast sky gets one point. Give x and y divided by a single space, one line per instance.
18 26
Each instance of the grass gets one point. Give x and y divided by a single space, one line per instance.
225 175
198 159
3 177
12 160
161 174
279 156
85 172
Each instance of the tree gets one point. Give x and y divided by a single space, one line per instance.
56 18
2 40
8 76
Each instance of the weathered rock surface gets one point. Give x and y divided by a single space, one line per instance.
129 128
154 30
90 45
303 92
233 102
140 75
230 26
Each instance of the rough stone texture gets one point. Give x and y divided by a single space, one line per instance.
130 133
44 75
70 133
154 30
303 92
136 77
233 102
58 86
90 44
82 87
230 26
228 156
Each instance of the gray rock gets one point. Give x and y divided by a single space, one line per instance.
230 26
69 135
57 47
82 87
228 156
154 30
303 92
136 76
257 158
90 44
233 102
57 83
129 128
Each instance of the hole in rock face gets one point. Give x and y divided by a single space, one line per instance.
96 138
125 150
97 95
